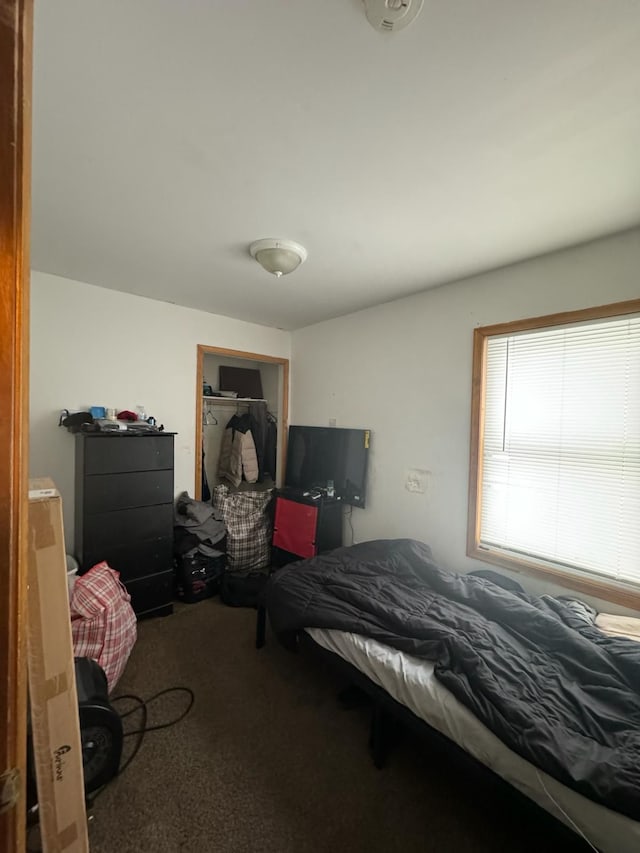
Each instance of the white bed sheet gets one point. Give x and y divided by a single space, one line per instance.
412 682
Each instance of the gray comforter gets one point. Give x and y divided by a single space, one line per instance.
536 671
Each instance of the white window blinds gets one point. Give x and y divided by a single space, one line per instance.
561 449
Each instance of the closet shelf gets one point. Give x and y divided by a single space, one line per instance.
235 399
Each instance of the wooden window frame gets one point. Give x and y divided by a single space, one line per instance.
607 590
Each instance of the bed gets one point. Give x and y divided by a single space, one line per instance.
446 648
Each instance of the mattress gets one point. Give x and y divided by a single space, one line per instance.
412 682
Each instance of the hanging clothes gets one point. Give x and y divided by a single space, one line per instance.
206 492
258 415
238 457
271 442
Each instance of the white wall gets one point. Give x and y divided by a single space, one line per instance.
92 346
404 370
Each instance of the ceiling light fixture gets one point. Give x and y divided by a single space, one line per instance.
278 257
391 15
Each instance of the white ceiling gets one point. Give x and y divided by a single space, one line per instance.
169 134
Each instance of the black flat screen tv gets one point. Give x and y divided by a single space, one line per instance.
318 455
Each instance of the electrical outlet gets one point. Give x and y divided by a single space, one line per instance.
332 422
416 481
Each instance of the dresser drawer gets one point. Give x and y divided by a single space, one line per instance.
135 560
108 530
151 594
109 492
114 453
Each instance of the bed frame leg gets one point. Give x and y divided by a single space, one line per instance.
378 739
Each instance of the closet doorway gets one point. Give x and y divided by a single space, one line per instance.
214 412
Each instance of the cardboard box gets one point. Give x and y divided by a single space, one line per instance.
52 686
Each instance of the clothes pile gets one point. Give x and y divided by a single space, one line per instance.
199 548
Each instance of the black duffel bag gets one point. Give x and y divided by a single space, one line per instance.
240 589
198 576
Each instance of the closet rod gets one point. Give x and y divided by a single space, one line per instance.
209 408
224 400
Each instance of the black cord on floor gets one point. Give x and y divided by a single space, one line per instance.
145 703
143 706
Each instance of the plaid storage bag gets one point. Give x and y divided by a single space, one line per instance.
103 623
248 526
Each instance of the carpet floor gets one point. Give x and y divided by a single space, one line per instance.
268 761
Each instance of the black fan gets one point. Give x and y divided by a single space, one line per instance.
100 726
100 732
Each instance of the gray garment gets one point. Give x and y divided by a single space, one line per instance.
205 550
200 519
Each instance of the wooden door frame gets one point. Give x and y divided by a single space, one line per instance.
283 414
16 39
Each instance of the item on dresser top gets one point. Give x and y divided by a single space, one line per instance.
103 624
248 524
73 422
142 426
238 458
107 425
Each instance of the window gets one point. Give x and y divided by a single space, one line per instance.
555 454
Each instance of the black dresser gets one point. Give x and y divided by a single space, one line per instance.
124 512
